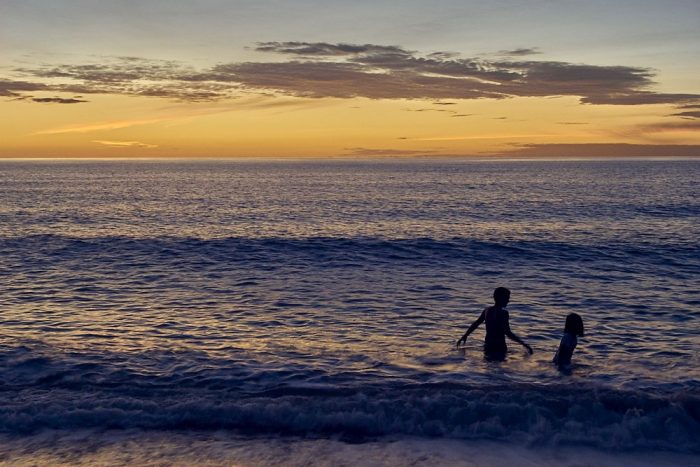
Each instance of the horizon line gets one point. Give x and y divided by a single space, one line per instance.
500 157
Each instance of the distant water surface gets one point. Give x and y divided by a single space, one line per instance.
323 299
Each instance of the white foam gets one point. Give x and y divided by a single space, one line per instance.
134 447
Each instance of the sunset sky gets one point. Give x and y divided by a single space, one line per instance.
210 78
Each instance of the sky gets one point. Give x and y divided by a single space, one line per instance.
311 78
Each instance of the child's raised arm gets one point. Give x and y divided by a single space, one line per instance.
471 329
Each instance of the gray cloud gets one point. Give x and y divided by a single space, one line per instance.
57 100
132 76
342 70
325 70
688 114
325 49
10 88
520 52
442 55
347 79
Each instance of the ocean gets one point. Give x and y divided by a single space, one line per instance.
304 312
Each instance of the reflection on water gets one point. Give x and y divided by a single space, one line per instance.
253 277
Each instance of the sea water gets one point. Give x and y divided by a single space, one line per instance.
292 311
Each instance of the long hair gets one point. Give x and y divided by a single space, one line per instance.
574 325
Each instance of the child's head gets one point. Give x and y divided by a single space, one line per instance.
501 296
574 325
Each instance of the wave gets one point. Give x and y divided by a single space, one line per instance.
41 393
47 390
560 415
347 251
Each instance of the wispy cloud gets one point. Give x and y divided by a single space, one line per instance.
127 76
671 126
432 110
638 97
328 70
602 150
125 144
520 52
387 152
58 100
87 128
324 49
481 137
13 88
688 114
182 112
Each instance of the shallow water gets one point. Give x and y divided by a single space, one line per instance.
323 299
177 448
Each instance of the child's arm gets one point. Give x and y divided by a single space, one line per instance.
511 335
471 329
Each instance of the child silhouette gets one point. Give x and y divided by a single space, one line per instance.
572 328
497 327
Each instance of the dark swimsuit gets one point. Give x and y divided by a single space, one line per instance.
496 327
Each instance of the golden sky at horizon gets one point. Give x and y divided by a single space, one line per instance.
79 79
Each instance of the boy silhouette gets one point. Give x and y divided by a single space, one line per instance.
497 327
